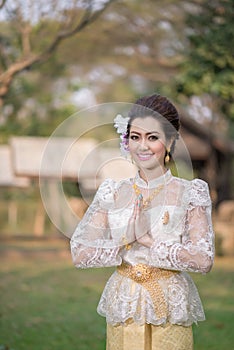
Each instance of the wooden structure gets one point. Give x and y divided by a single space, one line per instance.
211 156
53 160
59 158
8 177
88 163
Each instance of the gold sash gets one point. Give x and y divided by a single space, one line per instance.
148 277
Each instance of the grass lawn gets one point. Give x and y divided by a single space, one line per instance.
47 304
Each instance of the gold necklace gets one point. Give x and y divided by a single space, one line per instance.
146 202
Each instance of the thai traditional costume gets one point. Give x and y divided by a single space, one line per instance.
150 301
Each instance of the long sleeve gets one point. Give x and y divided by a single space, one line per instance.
92 244
195 252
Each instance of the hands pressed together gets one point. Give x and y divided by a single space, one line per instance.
138 226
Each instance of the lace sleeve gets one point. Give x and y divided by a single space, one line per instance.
195 253
91 243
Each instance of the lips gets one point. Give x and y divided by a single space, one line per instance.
145 156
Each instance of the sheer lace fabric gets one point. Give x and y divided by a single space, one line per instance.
184 243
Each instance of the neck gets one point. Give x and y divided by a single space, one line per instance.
148 175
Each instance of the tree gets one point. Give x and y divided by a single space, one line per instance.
137 45
208 66
134 51
32 31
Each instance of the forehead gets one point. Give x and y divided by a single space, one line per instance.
146 124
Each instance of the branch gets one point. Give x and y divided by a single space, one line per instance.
2 4
88 18
7 77
26 62
25 37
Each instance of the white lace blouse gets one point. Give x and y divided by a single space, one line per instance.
184 242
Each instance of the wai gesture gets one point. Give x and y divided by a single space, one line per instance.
139 226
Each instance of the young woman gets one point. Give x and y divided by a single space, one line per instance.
154 228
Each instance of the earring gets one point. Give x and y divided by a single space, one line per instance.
167 158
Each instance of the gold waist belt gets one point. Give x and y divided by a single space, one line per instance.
148 277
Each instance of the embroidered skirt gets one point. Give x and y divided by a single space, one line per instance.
149 337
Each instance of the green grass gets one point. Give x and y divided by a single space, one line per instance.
47 304
216 290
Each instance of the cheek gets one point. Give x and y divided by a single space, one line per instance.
132 145
158 148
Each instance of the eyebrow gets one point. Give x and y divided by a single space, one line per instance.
148 133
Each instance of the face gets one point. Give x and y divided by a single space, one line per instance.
147 143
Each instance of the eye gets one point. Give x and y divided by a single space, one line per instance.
134 137
153 137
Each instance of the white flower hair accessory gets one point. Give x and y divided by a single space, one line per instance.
121 124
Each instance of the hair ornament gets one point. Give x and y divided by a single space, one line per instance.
121 124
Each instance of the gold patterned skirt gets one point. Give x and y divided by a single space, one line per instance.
132 336
149 337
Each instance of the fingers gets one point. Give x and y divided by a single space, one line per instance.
137 207
139 204
141 221
140 200
137 225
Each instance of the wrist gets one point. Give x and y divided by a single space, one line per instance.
146 240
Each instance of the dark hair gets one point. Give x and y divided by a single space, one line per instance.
161 109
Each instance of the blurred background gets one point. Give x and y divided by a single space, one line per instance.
61 56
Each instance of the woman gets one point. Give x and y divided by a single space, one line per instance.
154 228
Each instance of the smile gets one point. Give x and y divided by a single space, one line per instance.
146 156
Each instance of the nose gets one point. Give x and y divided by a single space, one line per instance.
143 144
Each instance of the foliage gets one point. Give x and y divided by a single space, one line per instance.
30 107
209 61
133 49
31 33
140 37
118 67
